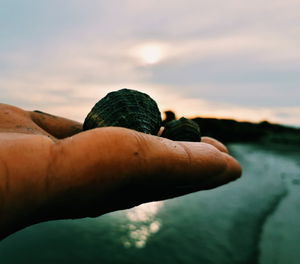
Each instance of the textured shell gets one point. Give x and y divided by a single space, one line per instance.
125 108
182 129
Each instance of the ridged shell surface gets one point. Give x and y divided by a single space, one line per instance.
125 108
182 129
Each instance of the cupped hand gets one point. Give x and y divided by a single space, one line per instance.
51 170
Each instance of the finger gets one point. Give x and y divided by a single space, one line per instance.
107 169
152 159
231 172
217 144
58 127
208 168
161 130
197 164
161 192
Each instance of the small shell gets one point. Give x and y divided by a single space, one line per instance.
125 108
182 129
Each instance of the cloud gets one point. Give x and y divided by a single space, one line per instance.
262 49
234 59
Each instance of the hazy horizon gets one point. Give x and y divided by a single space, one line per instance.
236 59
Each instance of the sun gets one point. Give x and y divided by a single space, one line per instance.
150 53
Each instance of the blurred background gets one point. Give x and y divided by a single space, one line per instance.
235 59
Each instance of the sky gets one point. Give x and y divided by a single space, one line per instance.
226 59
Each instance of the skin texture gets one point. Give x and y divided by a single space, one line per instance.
50 169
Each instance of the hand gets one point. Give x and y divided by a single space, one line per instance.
49 169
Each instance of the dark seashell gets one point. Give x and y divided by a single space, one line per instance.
125 108
182 129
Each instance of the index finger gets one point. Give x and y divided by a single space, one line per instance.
57 126
217 144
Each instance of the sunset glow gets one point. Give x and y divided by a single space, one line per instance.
193 66
150 53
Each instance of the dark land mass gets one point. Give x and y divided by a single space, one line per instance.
229 130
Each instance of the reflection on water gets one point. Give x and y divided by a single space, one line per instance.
143 223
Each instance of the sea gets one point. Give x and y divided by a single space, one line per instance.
255 219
